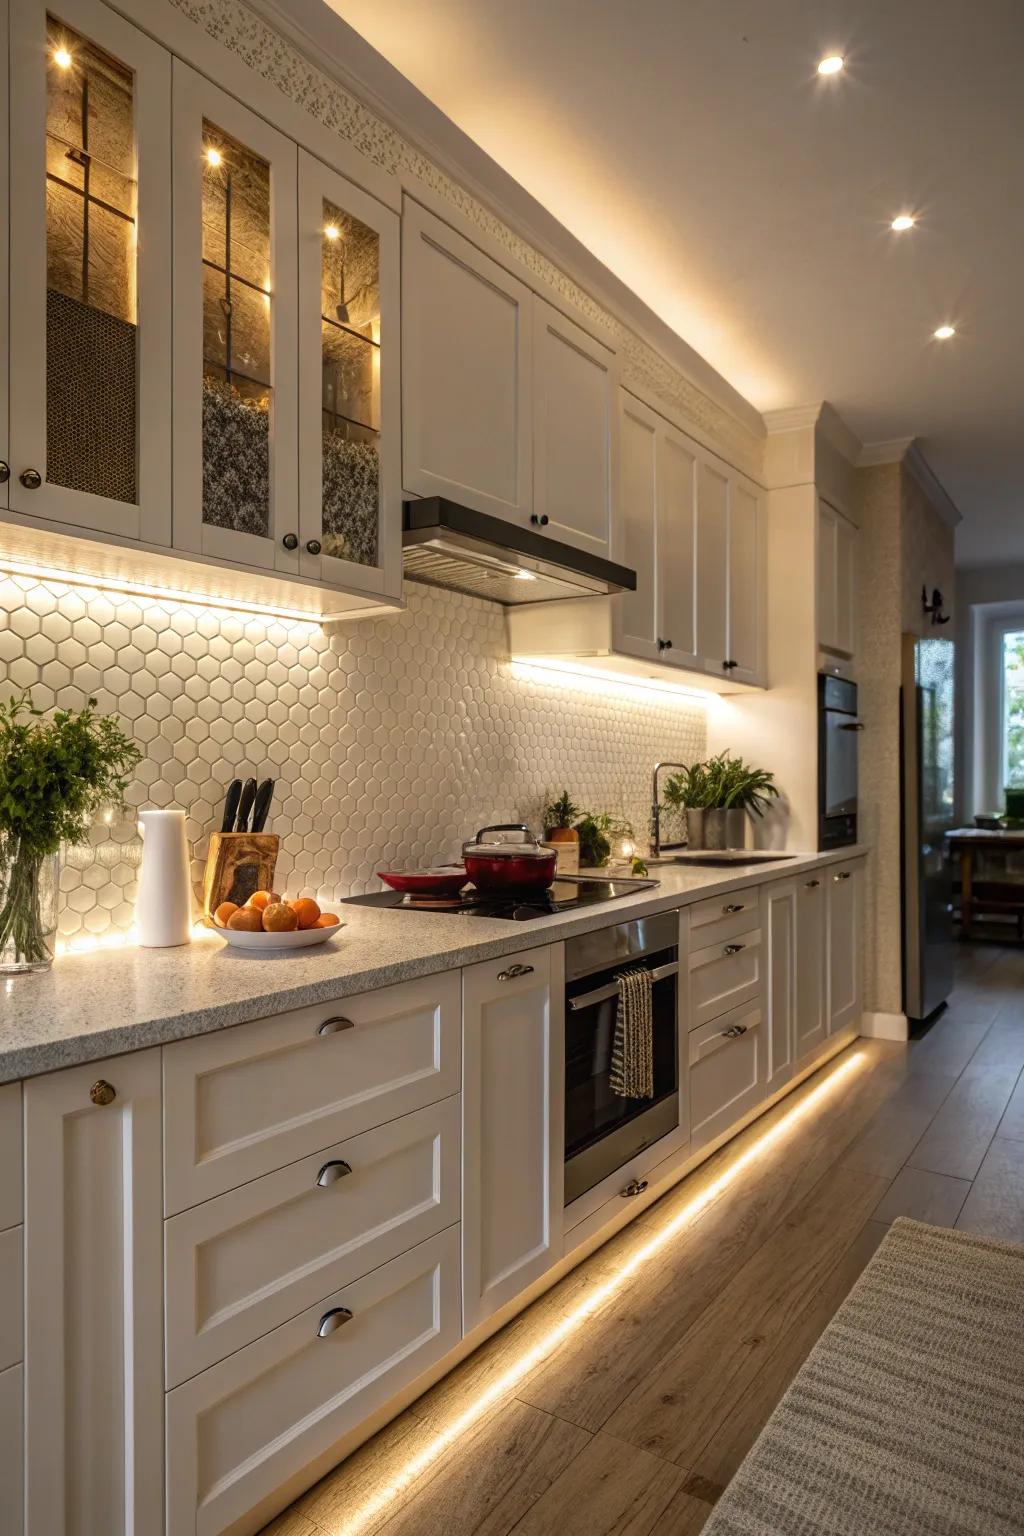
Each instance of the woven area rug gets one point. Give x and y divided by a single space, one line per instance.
907 1417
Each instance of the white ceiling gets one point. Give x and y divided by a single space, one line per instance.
692 147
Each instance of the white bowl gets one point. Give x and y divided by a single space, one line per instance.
298 938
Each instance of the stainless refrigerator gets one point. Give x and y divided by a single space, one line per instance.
927 814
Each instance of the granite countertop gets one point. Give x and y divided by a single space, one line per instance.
99 1004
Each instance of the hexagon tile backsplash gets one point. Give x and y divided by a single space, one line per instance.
391 739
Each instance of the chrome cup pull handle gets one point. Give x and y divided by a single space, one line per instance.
331 1172
844 874
812 885
334 1026
733 949
735 1031
513 971
733 906
331 1321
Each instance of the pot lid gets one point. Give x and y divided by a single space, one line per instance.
499 849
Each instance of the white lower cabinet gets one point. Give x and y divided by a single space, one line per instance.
810 965
723 974
241 1429
94 1383
727 1067
779 919
238 1265
513 1127
843 913
12 1450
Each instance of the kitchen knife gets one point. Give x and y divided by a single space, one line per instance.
262 805
245 805
231 799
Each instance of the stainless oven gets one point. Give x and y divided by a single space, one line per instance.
602 1129
838 734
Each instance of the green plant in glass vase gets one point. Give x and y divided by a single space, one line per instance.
55 774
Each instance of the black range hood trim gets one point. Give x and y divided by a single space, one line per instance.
438 512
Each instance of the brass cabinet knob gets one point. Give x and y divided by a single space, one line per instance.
290 541
313 546
31 479
102 1092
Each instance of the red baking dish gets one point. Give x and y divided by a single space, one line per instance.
447 881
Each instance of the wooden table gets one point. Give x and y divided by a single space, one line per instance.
965 843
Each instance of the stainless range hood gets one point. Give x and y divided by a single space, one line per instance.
447 545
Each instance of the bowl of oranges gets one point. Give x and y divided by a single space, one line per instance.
268 921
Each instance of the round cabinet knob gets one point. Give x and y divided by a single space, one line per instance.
290 541
313 547
540 521
5 472
31 479
664 645
102 1092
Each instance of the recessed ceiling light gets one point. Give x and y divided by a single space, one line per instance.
903 221
62 58
831 65
214 156
944 332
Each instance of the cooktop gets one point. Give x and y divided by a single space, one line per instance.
567 894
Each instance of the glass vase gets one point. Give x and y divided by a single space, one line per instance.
29 893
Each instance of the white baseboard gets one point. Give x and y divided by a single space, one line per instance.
885 1026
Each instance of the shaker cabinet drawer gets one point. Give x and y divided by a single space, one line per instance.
11 1295
723 975
240 1264
12 1449
719 917
238 1431
247 1100
727 1072
10 1155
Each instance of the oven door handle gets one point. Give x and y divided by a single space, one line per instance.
600 994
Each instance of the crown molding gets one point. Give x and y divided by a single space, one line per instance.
931 485
892 452
835 432
792 418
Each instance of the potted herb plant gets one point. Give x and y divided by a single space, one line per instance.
717 796
558 820
55 774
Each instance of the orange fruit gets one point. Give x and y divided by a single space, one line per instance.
246 920
326 920
279 918
224 911
306 910
261 900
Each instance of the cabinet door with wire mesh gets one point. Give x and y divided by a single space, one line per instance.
90 248
349 394
235 337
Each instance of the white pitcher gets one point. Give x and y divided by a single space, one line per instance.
163 911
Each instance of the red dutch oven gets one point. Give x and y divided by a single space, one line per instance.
498 867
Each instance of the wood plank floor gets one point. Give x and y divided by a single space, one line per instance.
637 1422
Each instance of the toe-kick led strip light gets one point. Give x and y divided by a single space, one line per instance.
357 1521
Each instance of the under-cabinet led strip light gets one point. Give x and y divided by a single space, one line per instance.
223 605
357 1521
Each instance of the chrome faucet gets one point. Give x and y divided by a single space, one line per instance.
656 844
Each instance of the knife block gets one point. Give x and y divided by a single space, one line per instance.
238 864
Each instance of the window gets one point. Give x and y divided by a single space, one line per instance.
1013 707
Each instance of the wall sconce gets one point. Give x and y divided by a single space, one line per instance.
934 608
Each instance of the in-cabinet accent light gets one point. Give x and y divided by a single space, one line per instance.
354 1522
944 332
903 221
332 232
62 58
214 157
831 65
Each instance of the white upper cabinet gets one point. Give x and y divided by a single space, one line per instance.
467 334
5 455
575 433
712 535
350 466
837 581
635 615
90 333
745 662
677 595
235 331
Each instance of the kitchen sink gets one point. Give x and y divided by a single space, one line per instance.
726 858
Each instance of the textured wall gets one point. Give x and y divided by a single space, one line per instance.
392 739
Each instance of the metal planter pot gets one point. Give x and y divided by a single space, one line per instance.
695 829
724 829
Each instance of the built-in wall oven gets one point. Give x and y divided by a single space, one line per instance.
604 1130
838 734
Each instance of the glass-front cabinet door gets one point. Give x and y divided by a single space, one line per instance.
235 336
90 321
349 390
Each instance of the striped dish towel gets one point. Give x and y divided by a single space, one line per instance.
632 1069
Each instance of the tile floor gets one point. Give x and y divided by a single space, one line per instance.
638 1421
